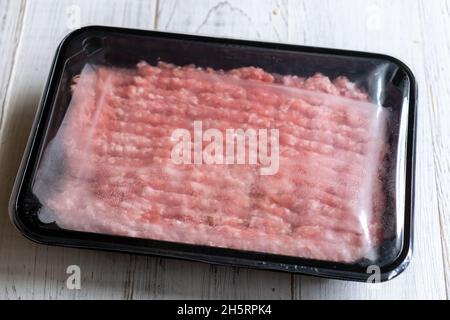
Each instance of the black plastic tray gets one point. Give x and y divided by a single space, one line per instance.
221 53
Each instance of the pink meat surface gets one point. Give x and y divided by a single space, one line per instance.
116 176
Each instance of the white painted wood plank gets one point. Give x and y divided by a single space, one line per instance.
239 19
375 26
28 270
175 279
436 80
11 16
251 19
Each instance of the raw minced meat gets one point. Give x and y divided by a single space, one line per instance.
109 168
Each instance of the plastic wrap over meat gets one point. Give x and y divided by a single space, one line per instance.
110 168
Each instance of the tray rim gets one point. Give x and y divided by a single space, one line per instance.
221 256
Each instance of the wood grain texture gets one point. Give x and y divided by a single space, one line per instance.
31 30
437 78
234 19
11 16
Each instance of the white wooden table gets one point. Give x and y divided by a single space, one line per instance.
416 31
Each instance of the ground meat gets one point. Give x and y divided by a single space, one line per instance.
109 168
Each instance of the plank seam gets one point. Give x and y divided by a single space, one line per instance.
156 16
442 234
21 19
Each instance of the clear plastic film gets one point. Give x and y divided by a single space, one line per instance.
320 196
